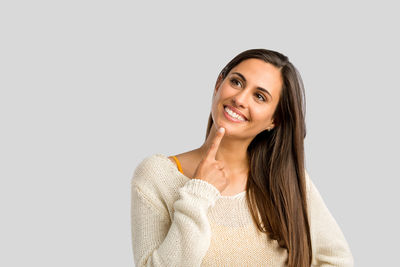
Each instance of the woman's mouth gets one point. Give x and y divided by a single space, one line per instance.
233 116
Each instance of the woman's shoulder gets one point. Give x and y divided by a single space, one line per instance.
153 160
155 172
152 164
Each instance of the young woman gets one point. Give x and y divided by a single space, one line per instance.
244 197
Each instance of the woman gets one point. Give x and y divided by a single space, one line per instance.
244 197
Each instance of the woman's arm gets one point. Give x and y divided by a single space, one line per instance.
330 247
183 240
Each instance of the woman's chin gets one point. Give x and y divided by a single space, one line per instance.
229 129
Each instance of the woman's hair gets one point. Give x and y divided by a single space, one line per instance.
276 189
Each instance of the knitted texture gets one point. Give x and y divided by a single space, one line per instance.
178 221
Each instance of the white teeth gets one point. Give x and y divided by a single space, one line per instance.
234 115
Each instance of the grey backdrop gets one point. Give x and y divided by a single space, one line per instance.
90 88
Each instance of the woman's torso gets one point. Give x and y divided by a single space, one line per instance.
235 240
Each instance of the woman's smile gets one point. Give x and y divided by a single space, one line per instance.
232 116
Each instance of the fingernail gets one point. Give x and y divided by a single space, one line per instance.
221 130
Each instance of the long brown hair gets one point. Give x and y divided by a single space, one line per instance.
276 189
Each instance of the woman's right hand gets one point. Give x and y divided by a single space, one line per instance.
210 169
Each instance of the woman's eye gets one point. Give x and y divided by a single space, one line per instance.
235 82
262 97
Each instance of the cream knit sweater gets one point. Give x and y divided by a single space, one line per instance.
178 221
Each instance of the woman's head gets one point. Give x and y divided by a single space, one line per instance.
240 86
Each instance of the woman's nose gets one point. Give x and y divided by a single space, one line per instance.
241 98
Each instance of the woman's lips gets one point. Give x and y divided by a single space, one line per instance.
231 118
236 111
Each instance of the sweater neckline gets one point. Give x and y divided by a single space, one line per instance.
173 167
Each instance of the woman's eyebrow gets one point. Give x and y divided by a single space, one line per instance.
259 88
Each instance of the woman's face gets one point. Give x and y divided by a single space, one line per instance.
250 89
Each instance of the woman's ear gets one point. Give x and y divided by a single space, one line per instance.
272 125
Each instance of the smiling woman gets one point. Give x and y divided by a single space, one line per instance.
243 198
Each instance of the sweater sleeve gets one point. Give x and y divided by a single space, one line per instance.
184 240
330 247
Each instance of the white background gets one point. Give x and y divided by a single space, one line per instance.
90 88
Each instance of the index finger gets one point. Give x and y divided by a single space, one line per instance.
212 152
